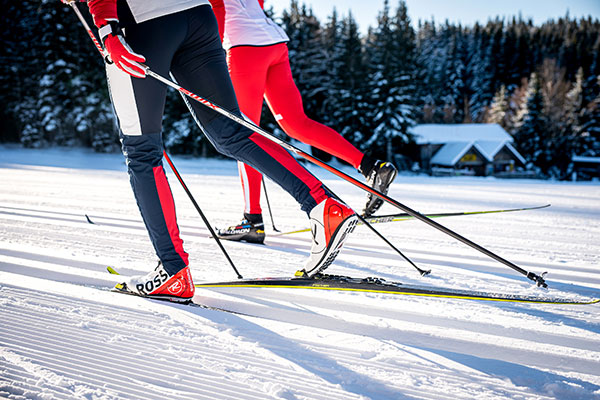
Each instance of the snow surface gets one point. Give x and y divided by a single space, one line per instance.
63 335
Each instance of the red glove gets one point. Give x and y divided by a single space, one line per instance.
105 17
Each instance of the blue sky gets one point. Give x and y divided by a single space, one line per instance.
465 11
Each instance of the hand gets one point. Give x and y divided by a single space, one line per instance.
123 57
119 51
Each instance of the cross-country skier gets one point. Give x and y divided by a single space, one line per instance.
257 57
182 37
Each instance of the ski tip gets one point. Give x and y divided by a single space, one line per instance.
112 271
88 219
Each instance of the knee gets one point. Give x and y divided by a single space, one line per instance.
142 150
228 137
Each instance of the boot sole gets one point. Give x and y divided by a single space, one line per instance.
181 300
334 247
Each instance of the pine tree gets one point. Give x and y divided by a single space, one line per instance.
574 106
532 125
497 113
392 54
590 112
427 88
350 109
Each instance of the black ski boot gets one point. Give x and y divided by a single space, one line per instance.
251 229
379 174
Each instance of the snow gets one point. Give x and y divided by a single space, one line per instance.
63 335
444 133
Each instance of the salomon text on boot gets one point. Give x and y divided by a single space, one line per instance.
251 229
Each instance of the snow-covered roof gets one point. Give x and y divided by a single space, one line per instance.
447 133
451 153
492 147
516 153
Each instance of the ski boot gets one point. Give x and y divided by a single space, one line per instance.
330 223
159 284
379 176
251 229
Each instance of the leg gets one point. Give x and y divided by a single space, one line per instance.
139 105
285 102
248 70
200 66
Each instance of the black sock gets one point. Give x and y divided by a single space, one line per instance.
366 165
254 218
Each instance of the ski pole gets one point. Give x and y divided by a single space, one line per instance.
212 232
195 118
269 204
539 280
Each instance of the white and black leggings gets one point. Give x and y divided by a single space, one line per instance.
187 44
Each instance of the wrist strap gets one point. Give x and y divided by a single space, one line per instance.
111 28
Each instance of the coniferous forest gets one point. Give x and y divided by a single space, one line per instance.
541 83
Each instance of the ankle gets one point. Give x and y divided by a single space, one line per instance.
254 218
366 165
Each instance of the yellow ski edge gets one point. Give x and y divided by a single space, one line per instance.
443 296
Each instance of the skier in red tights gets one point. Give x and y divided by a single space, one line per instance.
181 37
257 57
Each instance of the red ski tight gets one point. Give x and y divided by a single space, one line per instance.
265 71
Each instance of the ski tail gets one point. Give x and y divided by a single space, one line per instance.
112 271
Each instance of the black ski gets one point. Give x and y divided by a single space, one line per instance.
381 219
120 288
379 285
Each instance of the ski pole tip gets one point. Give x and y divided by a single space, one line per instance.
539 280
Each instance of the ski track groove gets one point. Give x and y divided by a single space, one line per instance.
137 348
410 347
141 346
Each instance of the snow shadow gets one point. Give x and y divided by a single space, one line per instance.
555 317
317 364
542 382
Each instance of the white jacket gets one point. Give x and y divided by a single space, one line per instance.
144 10
247 25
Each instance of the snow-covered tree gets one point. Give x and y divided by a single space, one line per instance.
497 113
349 107
391 58
532 124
